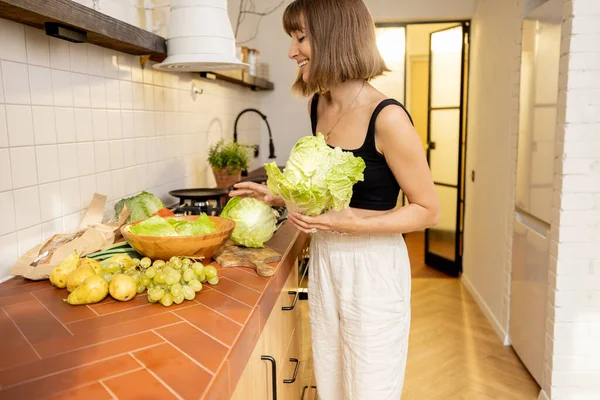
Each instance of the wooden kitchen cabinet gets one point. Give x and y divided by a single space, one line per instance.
256 378
279 339
290 370
310 393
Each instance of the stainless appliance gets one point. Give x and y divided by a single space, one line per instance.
535 173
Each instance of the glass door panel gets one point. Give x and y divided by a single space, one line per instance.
445 139
391 42
444 131
442 237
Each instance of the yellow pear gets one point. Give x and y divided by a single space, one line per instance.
58 276
122 287
77 277
92 290
93 263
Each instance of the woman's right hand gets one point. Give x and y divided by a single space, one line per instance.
257 191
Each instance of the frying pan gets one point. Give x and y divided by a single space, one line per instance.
199 194
204 194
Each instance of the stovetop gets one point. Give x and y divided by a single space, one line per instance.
196 208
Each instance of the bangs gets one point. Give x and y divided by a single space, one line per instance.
292 18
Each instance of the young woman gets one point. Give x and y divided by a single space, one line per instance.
359 274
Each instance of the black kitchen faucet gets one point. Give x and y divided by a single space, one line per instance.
264 117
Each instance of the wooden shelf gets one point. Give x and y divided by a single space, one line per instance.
101 29
240 77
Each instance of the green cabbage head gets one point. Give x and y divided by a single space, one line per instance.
255 221
316 178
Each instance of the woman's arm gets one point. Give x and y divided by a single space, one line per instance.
257 191
403 150
401 145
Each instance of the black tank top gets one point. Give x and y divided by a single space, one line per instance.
380 189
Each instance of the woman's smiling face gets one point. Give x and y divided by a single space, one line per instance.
300 52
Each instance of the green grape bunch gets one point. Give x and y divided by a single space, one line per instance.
171 281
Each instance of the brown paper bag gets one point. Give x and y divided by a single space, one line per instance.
92 236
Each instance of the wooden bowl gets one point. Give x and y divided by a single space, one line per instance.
164 247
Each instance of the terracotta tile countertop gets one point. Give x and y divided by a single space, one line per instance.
137 350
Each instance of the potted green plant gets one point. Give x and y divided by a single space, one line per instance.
227 161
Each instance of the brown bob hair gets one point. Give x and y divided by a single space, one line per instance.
342 40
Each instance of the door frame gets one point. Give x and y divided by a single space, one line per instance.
455 268
452 268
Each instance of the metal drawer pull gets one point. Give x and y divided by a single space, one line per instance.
295 371
304 391
289 308
273 372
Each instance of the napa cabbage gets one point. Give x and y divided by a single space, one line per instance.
316 178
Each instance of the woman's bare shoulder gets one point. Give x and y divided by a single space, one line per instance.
393 121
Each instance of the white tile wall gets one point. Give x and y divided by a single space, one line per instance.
77 118
573 321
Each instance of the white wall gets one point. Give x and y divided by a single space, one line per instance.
491 153
573 323
287 114
77 118
427 10
130 11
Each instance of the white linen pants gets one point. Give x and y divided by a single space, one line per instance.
359 309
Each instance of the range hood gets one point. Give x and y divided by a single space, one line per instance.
200 38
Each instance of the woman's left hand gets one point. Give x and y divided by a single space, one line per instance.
344 221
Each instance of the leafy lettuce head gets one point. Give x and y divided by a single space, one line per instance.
142 206
255 221
316 178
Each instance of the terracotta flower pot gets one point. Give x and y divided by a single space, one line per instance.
227 176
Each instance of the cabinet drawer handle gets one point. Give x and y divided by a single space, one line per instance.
273 373
295 371
304 391
289 308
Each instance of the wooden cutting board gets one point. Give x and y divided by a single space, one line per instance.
232 255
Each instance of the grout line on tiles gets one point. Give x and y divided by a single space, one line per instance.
108 389
81 387
145 305
79 366
240 301
22 334
122 373
12 184
233 298
51 313
207 334
212 381
109 340
169 388
92 310
241 284
222 315
184 353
